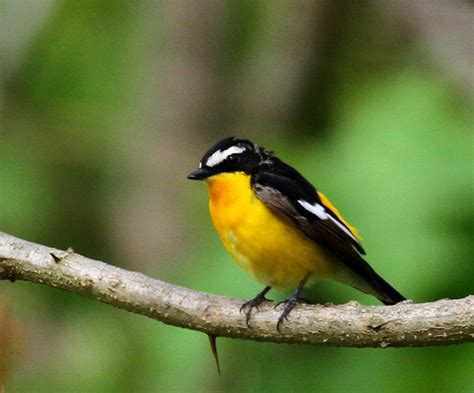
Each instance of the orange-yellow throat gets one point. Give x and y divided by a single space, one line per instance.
274 252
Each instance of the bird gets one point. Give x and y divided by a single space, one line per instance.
279 228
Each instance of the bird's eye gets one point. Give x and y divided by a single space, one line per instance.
233 159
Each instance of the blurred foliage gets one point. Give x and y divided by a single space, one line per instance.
384 133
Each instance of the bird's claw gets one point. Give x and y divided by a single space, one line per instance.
250 305
289 305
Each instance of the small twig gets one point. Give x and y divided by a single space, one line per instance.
215 355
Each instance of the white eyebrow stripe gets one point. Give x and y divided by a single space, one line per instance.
219 156
321 213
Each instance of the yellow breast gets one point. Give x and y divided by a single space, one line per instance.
274 252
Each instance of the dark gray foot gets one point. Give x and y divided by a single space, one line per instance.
290 303
254 303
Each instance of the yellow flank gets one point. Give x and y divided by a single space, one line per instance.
274 252
330 206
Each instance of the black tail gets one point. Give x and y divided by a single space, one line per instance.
367 280
384 291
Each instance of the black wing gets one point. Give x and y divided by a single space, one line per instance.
298 203
286 198
284 185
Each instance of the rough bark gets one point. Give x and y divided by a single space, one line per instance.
350 325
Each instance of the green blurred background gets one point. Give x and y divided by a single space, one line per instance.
107 105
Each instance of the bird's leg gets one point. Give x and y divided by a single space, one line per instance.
254 303
290 303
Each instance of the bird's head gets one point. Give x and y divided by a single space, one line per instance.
230 155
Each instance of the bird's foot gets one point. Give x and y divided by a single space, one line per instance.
289 305
254 303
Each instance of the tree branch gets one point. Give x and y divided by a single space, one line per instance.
349 325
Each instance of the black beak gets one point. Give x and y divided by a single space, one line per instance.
199 174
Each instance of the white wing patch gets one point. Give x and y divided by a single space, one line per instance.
320 212
219 156
316 209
